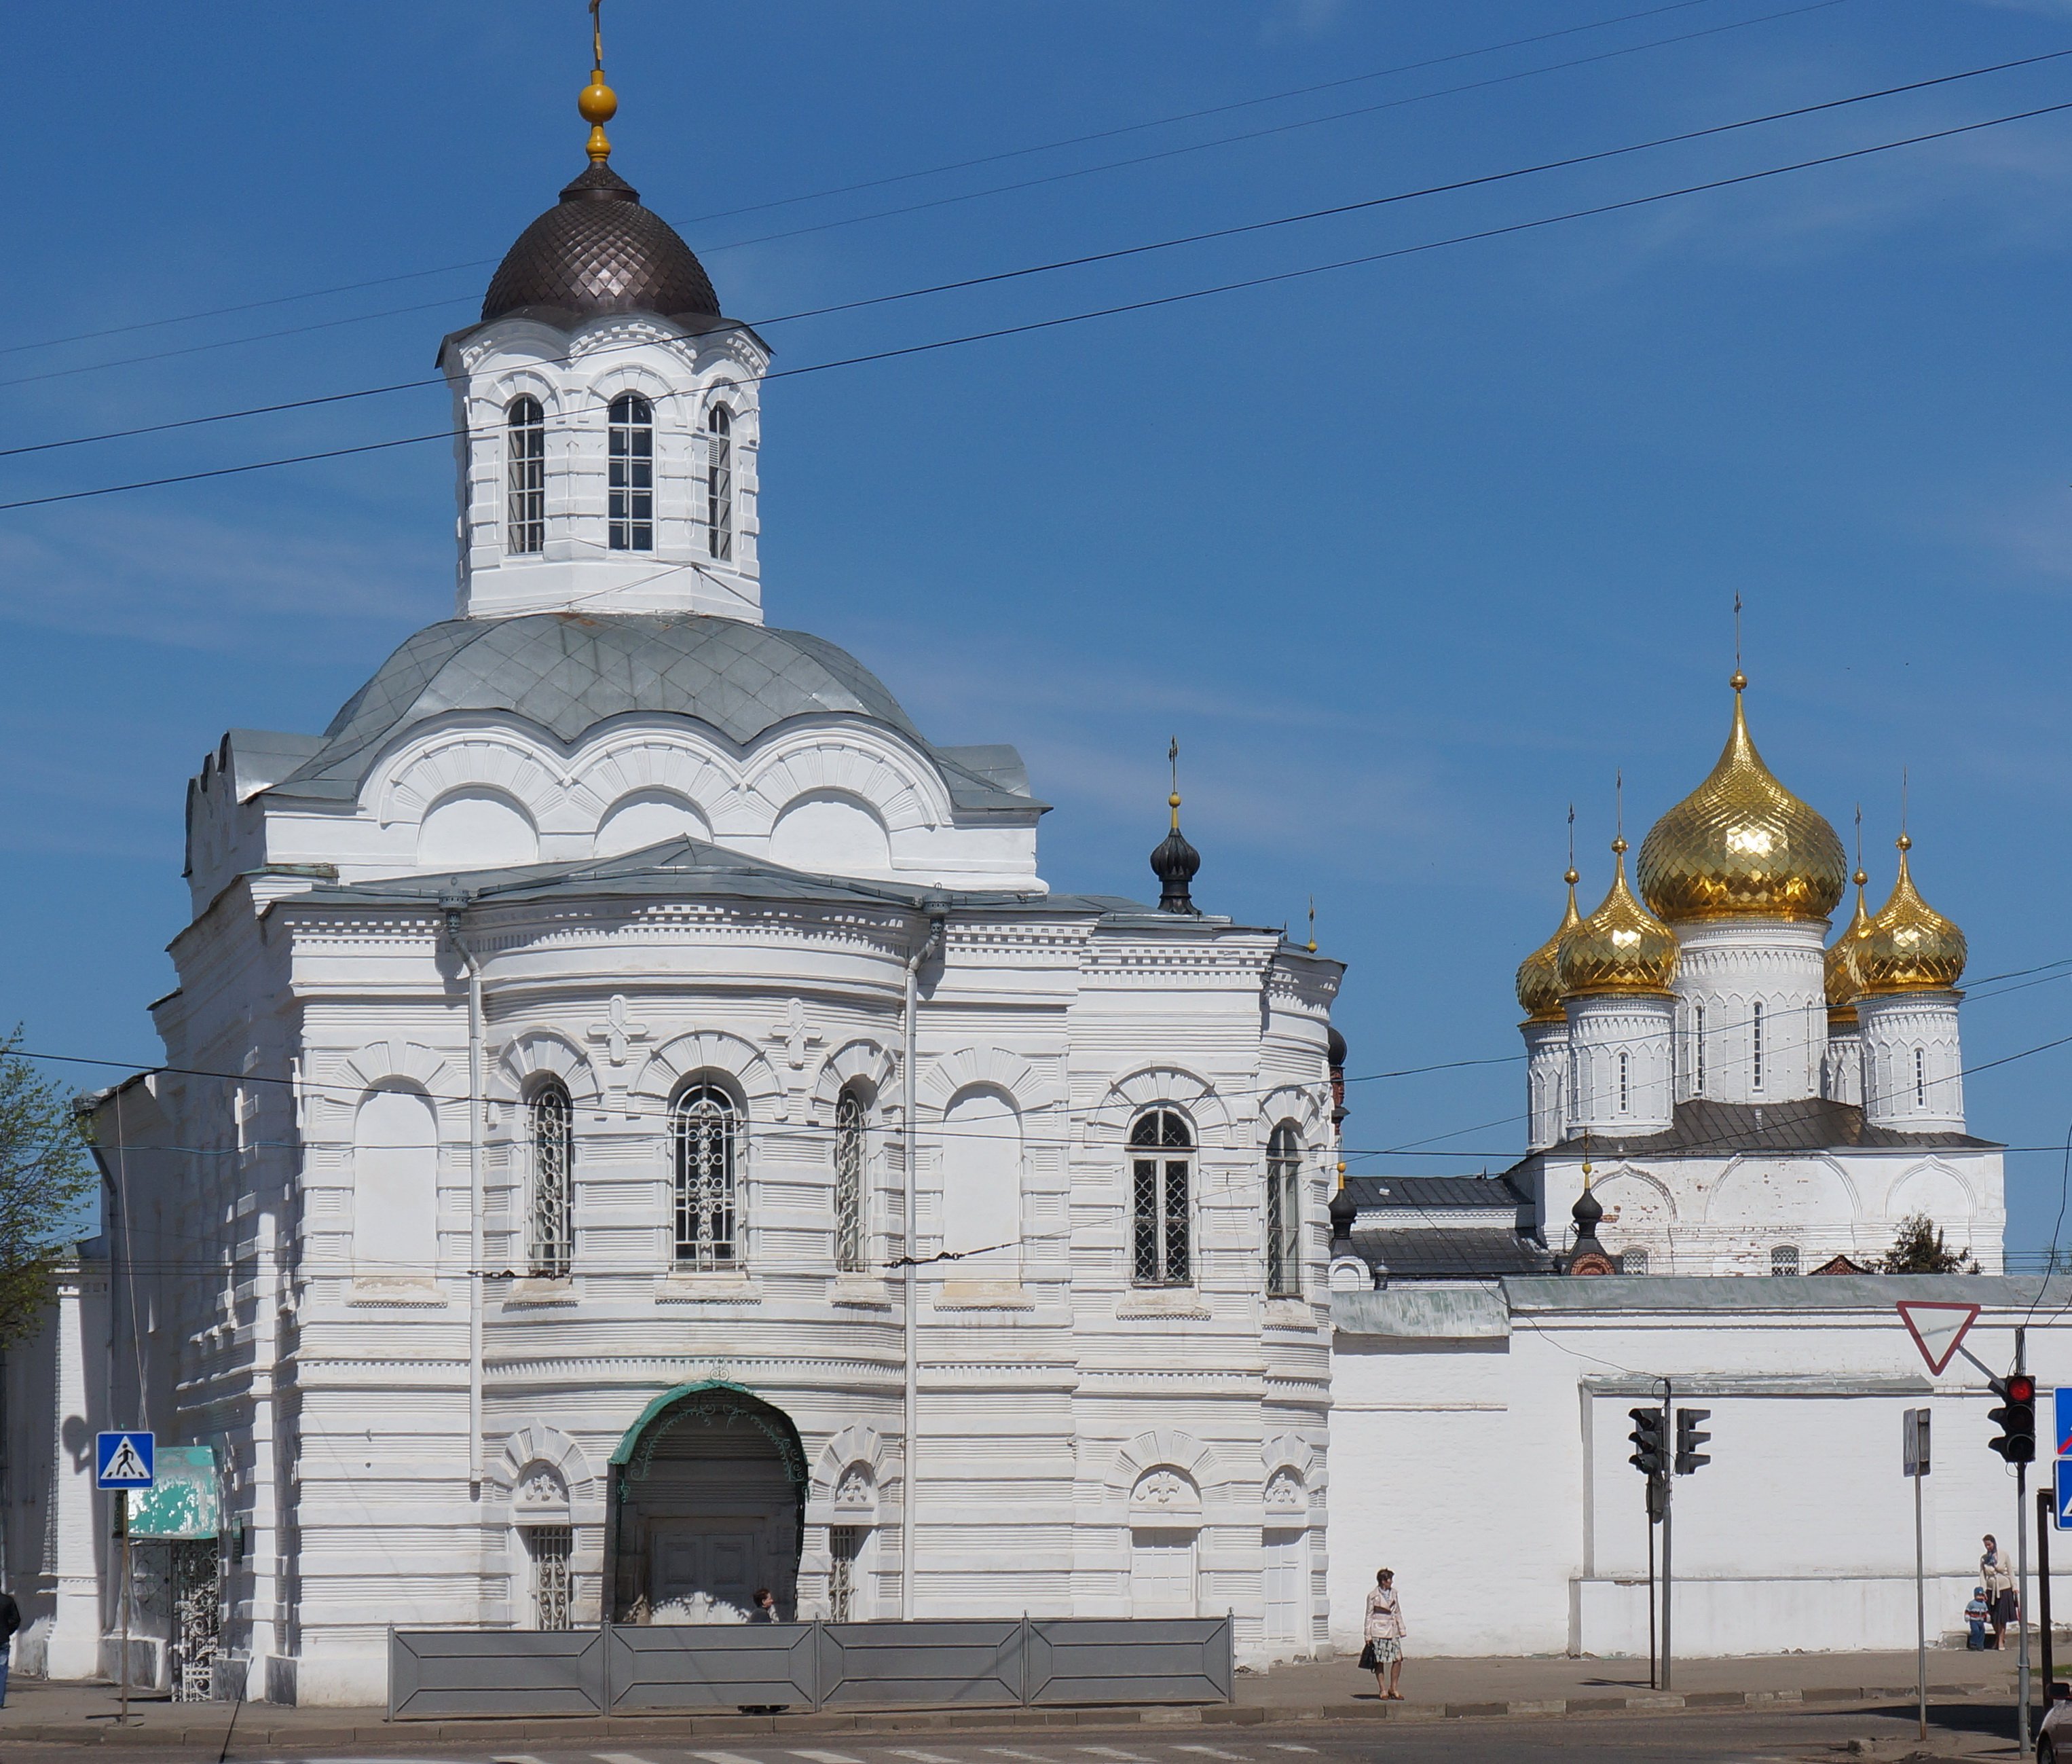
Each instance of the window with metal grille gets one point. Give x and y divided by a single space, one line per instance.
549 1252
525 477
1920 1079
1756 1080
1784 1259
548 1547
1162 1168
1624 1092
848 1182
844 1552
633 488
719 482
706 1128
1633 1261
1284 1212
1701 1050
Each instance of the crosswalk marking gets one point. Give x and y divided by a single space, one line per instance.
620 1758
725 1758
516 1757
1109 1751
923 1758
1008 1751
1210 1751
1288 1745
825 1758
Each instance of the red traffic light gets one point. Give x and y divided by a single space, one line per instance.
2020 1387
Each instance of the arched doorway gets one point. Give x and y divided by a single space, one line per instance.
709 1503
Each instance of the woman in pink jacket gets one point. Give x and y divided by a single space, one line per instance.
1385 1630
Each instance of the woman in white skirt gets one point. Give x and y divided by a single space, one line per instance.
1385 1630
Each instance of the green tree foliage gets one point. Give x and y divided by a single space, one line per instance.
45 1178
1919 1248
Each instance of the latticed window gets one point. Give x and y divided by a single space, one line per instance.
550 1249
1162 1168
1701 1050
1625 1088
548 1549
1756 1042
1284 1211
525 477
1920 1079
848 1182
1784 1259
707 1129
844 1550
719 482
1633 1261
632 449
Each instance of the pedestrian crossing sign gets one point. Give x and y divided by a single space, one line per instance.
2061 1497
123 1460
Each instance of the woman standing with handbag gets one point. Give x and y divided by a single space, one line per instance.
1385 1630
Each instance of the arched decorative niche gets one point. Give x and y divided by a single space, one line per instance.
476 827
1168 1085
736 1062
900 791
983 1169
863 1064
648 817
395 1186
834 832
511 762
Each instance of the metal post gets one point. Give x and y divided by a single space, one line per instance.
1668 1510
2021 1569
2045 1519
122 1669
1920 1609
1654 1661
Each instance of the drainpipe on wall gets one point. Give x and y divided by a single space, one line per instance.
455 903
938 910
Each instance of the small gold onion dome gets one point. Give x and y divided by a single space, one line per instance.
1742 845
1620 947
1910 946
1844 984
1539 988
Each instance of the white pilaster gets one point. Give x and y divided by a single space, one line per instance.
1546 1083
1620 1056
1914 1062
1751 1009
75 1640
1842 1077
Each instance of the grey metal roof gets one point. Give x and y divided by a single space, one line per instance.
569 672
1434 1193
1702 1128
1451 1253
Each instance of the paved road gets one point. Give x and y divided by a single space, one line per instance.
1726 1737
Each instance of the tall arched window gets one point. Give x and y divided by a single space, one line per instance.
1161 1173
1284 1212
848 1182
632 447
1920 1079
525 477
1700 1014
1626 1094
719 482
706 1128
548 1251
1756 1077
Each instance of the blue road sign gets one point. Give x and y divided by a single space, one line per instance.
123 1460
2063 1398
2061 1495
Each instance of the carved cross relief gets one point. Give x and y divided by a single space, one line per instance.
619 1038
793 1034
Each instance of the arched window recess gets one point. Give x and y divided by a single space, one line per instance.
631 447
719 483
1162 1167
525 477
705 1131
550 1123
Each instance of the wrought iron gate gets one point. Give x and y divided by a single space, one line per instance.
197 1617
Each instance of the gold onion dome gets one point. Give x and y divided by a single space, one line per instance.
1844 984
1910 947
1741 846
1620 947
1538 987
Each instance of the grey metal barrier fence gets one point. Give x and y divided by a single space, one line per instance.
946 1664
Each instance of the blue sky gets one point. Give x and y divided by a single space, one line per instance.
1409 556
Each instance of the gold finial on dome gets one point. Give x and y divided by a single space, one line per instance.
1620 947
1740 845
1910 947
598 102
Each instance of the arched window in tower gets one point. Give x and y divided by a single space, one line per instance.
1920 1079
552 1131
1625 1092
1755 1044
1283 1213
719 482
849 1181
1161 1169
1701 1050
525 477
706 1128
632 450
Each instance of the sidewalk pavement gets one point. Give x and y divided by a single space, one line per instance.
42 1712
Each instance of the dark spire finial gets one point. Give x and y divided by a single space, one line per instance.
1175 861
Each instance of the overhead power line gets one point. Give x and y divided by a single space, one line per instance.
1149 304
902 177
1332 212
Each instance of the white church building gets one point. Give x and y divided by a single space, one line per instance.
636 1127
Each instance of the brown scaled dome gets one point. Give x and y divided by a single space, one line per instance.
1741 846
1910 947
1620 947
598 251
1539 986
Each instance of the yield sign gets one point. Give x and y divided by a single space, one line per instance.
1937 1329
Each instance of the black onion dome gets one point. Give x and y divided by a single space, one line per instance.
1588 1213
1174 863
598 252
1344 1212
1334 1045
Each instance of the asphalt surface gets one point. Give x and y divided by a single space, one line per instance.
1959 1729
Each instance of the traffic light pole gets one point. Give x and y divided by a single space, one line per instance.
1668 1509
2021 1566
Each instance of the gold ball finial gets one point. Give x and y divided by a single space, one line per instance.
1861 876
1618 846
1904 842
598 104
1740 680
1173 801
1571 876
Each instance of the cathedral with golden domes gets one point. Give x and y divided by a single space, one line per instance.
1738 1095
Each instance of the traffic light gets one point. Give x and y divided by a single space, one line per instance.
2015 1418
1689 1439
1647 1438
